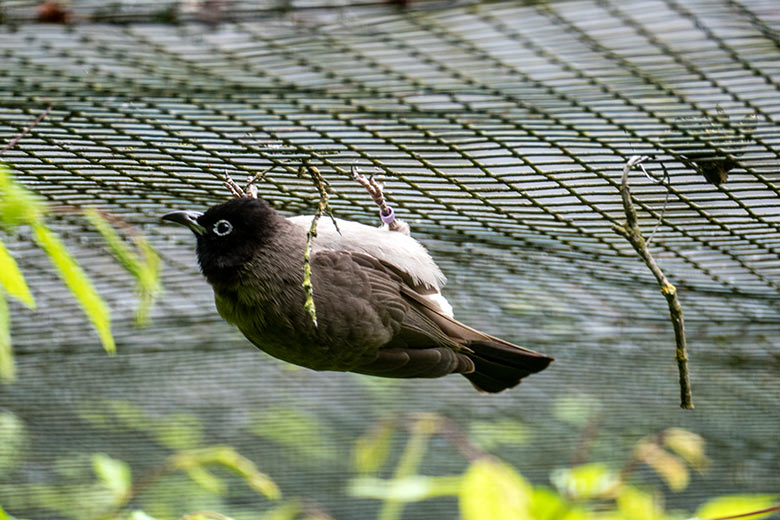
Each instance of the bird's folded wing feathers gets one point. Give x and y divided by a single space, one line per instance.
403 252
457 330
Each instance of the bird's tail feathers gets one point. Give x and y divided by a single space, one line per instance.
499 365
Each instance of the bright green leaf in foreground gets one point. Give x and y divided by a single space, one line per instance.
12 280
18 205
584 482
139 515
76 280
736 505
7 368
6 516
635 504
113 473
546 504
146 270
492 490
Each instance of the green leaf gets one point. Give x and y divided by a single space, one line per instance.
736 505
77 281
286 511
146 271
688 445
492 490
18 205
668 466
149 284
372 448
231 459
489 435
139 515
13 441
546 504
113 473
206 480
12 280
635 504
584 482
205 515
405 489
7 368
6 516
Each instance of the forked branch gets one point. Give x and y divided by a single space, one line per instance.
633 234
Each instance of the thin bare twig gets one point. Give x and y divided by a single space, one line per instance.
633 234
250 189
26 131
751 513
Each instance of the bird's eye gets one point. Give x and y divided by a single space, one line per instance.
222 228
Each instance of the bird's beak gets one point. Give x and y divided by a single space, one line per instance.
187 218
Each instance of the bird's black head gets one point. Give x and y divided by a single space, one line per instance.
229 234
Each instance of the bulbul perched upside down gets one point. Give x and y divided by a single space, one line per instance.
376 293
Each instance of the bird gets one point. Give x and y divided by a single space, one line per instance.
377 295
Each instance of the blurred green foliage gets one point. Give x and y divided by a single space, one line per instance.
299 433
197 477
144 266
20 206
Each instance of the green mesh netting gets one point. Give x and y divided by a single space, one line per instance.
501 130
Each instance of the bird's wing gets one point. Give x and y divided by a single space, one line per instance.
420 340
372 305
456 330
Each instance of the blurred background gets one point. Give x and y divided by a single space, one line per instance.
501 130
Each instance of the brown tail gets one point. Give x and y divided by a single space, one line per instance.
499 366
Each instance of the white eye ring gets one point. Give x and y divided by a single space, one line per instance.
222 228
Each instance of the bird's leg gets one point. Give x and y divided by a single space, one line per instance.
233 186
386 213
250 189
